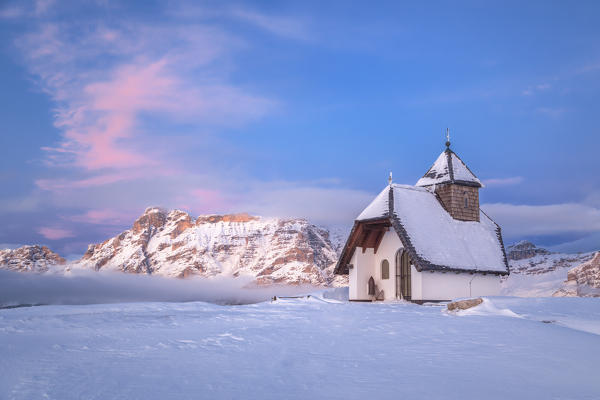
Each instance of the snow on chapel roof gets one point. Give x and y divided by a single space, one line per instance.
449 168
378 207
442 241
434 240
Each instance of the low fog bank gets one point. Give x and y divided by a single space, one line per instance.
18 288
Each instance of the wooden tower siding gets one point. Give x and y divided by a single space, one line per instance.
452 196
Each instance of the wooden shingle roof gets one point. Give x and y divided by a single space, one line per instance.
449 168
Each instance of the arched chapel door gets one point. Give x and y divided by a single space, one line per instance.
403 283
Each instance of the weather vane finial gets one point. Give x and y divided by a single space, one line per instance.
448 137
390 178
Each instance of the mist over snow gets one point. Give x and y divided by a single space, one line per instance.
90 287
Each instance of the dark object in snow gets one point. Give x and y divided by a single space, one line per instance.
371 286
275 298
464 304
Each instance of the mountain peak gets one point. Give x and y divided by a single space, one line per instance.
152 217
155 209
524 249
33 258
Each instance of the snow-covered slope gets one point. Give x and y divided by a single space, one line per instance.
302 349
536 272
30 259
174 244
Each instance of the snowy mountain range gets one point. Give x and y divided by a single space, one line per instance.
174 244
277 250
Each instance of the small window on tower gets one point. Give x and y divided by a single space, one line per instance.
385 269
466 202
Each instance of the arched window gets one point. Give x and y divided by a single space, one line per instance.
466 202
385 269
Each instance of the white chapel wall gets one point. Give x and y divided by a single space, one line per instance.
353 278
450 285
416 284
486 285
360 274
425 285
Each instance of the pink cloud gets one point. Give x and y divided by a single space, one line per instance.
167 72
55 233
105 217
60 184
205 201
96 134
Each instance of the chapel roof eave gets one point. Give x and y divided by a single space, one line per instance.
341 268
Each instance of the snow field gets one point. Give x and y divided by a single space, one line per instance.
302 348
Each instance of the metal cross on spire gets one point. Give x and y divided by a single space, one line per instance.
448 137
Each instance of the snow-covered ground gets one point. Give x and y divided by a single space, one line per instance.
302 349
534 285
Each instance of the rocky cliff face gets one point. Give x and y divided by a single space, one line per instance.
524 249
30 259
583 280
174 244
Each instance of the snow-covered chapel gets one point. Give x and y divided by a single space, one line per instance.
428 242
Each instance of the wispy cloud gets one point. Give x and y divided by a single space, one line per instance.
20 9
553 112
282 26
523 220
325 205
590 67
104 217
121 90
53 233
531 90
513 180
289 27
9 12
107 81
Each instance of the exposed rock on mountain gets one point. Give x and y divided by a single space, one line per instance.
174 244
536 271
30 259
583 280
524 249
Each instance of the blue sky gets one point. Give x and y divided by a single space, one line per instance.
293 109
